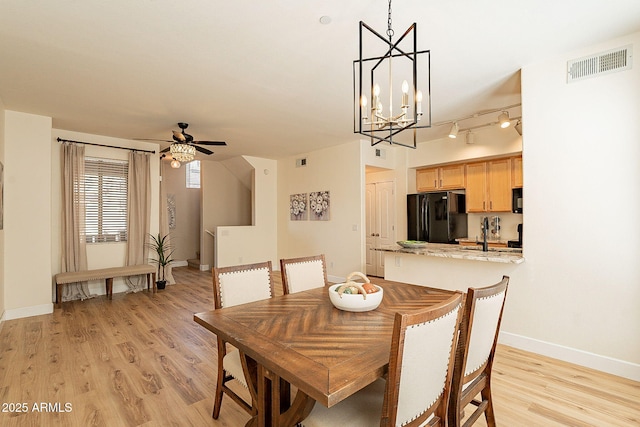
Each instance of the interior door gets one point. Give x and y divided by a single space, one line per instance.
370 240
380 224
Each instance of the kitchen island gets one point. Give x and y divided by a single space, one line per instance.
504 255
451 267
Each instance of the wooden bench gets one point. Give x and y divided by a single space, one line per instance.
105 273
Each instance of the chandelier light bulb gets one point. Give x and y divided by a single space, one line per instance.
363 101
376 90
175 164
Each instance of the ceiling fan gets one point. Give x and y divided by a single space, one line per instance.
181 137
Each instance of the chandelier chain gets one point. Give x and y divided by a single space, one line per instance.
389 29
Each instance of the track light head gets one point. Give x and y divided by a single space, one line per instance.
175 164
471 138
503 120
518 127
453 132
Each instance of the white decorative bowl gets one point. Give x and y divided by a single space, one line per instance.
355 302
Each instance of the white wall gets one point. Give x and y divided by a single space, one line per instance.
99 255
226 201
257 242
582 181
185 237
339 171
27 215
2 161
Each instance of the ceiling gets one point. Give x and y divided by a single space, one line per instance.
266 76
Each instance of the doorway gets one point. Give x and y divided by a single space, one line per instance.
379 224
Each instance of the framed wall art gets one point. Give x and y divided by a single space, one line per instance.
298 207
319 206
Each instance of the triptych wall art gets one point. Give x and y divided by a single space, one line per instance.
314 206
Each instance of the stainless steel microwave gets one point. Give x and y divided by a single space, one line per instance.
516 205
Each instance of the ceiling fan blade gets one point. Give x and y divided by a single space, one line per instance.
210 142
203 150
178 136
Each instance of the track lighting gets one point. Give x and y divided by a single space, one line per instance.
503 120
175 164
518 127
453 132
471 138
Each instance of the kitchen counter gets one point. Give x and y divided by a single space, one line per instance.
504 255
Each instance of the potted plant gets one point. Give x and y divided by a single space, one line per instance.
160 244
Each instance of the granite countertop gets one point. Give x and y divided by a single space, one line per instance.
479 239
505 255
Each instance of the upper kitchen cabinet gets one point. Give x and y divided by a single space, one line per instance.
449 177
516 172
488 186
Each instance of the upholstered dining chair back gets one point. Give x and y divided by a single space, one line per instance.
301 274
416 391
476 348
242 284
233 286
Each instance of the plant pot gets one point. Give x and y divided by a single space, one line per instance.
161 284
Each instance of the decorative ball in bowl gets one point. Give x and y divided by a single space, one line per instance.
353 296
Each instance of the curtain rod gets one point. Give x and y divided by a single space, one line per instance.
103 145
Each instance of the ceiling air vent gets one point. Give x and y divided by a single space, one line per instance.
601 63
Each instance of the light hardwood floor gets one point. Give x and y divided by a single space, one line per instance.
141 360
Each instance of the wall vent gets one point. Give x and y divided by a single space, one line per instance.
601 63
301 162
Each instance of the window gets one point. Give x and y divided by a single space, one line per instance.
106 200
193 174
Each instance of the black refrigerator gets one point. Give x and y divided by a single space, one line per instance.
436 217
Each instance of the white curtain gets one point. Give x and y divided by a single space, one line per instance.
74 243
138 215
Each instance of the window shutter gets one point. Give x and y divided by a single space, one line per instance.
193 174
106 200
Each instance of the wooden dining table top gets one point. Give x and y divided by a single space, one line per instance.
325 352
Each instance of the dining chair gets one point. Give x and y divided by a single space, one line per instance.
474 358
301 274
232 286
416 391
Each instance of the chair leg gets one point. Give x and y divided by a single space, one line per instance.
217 401
488 412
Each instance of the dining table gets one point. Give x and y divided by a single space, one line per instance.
302 341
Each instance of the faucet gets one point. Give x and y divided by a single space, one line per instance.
485 229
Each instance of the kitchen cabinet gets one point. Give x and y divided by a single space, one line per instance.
449 177
488 186
516 172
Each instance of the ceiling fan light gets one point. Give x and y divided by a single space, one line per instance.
453 132
175 164
503 120
183 152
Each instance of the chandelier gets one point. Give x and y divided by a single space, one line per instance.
182 152
381 68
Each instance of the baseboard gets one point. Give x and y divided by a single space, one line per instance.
35 310
606 364
204 267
